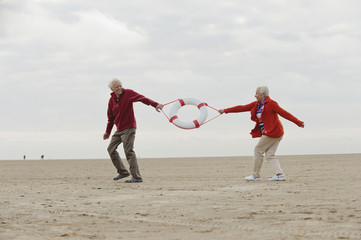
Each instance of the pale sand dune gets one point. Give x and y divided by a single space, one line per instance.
191 198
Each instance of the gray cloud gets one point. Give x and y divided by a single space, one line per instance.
56 58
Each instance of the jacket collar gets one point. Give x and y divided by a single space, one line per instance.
113 95
267 99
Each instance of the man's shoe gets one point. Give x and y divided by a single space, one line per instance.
120 176
251 178
278 178
134 180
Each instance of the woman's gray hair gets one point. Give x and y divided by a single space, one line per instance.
263 89
111 83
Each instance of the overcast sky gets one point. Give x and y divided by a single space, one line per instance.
57 57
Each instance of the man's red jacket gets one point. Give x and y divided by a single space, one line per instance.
121 112
272 124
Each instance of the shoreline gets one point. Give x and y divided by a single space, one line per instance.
185 158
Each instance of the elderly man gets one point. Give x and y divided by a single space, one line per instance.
121 113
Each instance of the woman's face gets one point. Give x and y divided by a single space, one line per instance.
260 96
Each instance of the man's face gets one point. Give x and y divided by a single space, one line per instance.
117 88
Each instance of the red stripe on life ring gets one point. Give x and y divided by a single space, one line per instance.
181 102
173 118
196 123
202 104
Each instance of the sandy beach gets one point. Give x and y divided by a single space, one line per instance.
182 198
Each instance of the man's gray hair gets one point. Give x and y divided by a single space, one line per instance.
111 83
263 89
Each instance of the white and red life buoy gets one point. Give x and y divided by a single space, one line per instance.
173 118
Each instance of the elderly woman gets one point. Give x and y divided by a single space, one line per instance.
268 127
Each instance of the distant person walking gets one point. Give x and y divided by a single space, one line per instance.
269 128
121 113
24 157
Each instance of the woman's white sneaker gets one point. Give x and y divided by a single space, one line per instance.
278 178
251 178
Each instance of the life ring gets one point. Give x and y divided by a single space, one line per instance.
173 118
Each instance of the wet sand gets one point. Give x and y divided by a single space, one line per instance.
182 198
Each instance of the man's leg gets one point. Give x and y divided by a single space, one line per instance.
128 138
114 155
